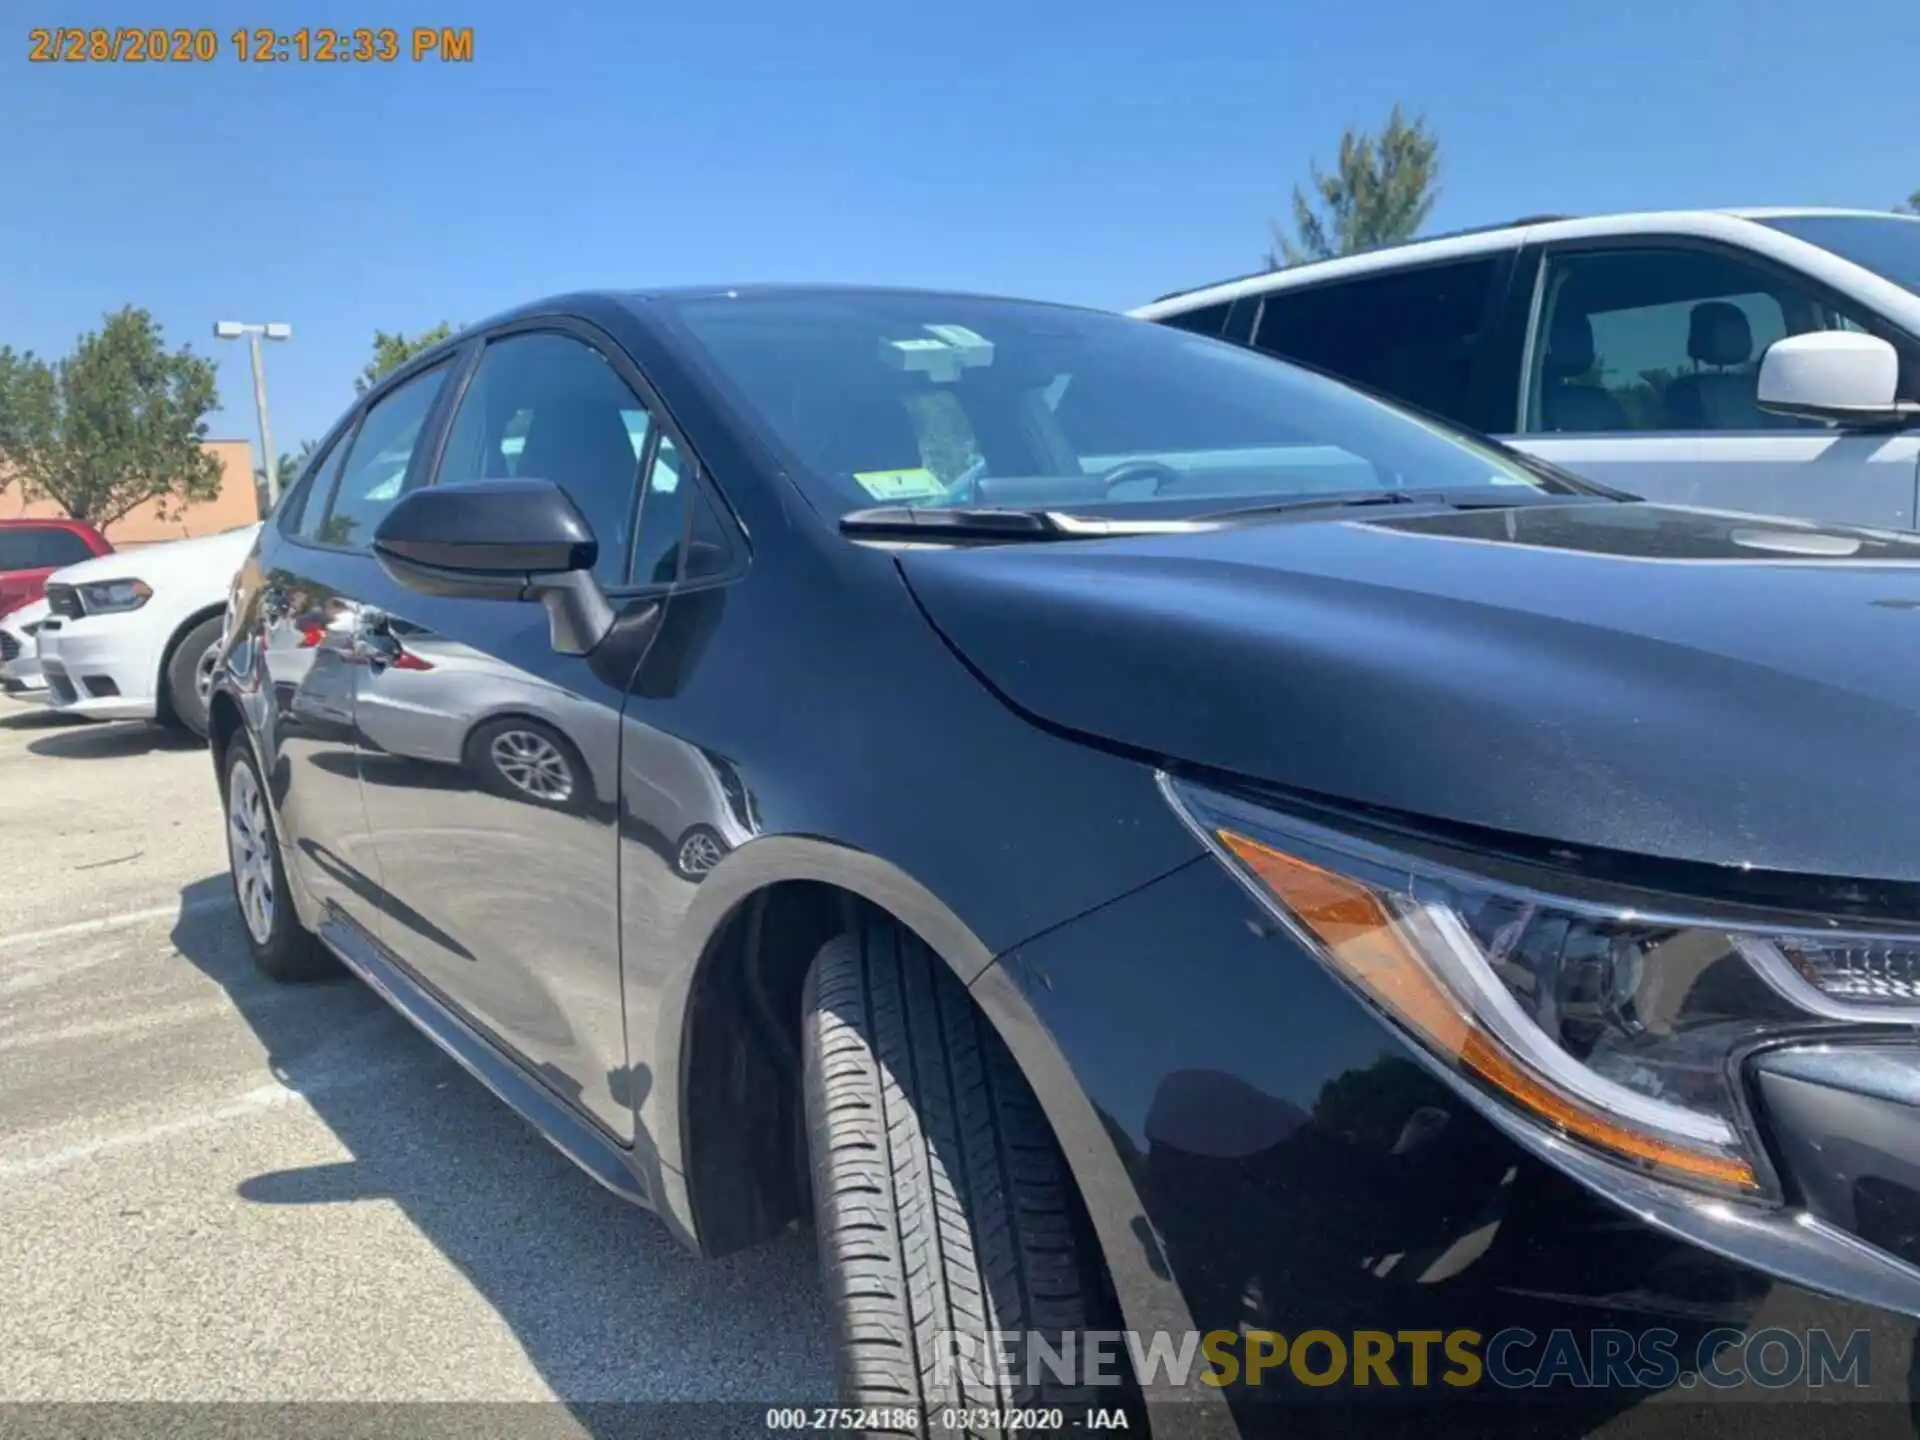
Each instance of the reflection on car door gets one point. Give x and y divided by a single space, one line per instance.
1642 372
491 763
312 612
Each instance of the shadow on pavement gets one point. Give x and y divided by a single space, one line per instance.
113 741
34 716
606 1305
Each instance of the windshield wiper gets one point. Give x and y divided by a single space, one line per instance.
899 522
1472 498
1328 502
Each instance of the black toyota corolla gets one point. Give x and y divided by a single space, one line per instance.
1131 835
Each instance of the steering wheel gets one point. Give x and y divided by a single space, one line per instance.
1137 470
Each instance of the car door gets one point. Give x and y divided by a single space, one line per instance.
1641 368
490 766
314 599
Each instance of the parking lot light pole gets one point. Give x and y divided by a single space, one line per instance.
233 330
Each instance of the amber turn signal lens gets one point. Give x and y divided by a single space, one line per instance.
1359 935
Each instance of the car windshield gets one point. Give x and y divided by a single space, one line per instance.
893 399
1888 245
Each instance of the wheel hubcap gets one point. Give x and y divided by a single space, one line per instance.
698 855
203 675
533 764
249 850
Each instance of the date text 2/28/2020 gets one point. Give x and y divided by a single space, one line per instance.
134 45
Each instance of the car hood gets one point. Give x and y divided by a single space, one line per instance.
210 559
31 613
1683 684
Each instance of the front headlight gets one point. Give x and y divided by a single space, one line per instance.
112 597
1621 1027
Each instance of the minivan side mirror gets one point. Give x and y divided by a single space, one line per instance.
518 539
1838 375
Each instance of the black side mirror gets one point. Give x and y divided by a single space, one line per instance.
514 539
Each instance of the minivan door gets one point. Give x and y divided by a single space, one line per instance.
491 762
1641 372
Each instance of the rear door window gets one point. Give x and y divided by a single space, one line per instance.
1412 335
41 547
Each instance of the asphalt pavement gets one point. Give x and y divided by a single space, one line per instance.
213 1187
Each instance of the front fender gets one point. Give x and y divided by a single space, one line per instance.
1149 1297
753 868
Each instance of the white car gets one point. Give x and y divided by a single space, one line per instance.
19 656
1761 360
132 635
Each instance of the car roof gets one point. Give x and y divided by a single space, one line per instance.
48 522
636 302
639 299
1460 244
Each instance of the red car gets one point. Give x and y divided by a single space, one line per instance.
31 550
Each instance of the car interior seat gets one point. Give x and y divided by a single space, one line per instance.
1568 403
1721 394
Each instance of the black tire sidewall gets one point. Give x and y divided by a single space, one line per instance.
290 951
183 695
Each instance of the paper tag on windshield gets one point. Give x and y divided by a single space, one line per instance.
917 484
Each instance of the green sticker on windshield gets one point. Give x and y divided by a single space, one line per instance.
916 484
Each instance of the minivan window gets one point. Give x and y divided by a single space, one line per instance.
375 473
1888 245
41 547
1207 320
548 406
894 399
1412 334
1661 340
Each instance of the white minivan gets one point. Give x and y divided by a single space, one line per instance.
1762 360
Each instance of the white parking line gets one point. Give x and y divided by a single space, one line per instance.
266 1097
113 922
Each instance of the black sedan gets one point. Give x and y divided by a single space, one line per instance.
1205 885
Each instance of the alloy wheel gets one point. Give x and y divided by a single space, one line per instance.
250 852
203 676
533 764
699 853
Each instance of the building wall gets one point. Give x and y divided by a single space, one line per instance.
236 504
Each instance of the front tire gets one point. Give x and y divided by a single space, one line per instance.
190 676
280 945
945 1211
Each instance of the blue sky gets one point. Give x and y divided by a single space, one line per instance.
1095 153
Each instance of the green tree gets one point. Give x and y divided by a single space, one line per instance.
1912 207
117 423
1381 190
390 352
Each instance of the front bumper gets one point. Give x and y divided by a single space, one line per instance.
96 668
1299 1174
20 672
